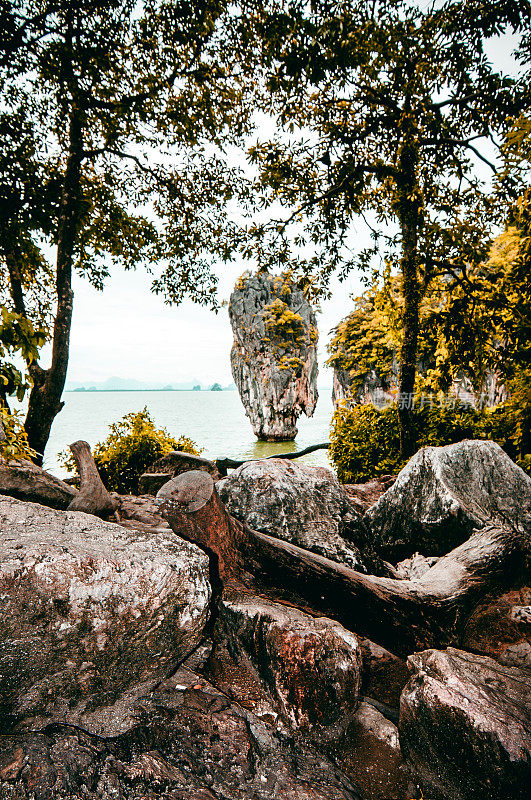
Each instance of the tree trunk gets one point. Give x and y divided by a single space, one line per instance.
45 396
402 615
93 497
408 211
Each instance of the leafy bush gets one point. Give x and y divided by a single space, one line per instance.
365 441
15 445
132 445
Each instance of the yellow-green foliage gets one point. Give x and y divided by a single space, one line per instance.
132 445
370 338
15 444
365 441
283 325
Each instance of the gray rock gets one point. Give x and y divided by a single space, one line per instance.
415 567
299 503
444 493
24 480
170 465
285 664
274 356
465 726
89 610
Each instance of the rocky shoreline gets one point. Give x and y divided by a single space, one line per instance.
150 655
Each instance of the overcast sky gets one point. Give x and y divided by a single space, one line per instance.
126 331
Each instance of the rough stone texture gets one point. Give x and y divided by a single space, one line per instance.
282 662
274 355
415 567
89 609
500 626
189 742
369 753
373 389
170 465
364 495
299 503
26 481
444 493
140 512
465 726
384 674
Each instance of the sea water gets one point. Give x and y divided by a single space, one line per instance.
216 421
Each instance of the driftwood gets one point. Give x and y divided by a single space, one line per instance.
223 464
93 497
402 615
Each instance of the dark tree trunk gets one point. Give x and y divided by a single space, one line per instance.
408 211
48 384
402 615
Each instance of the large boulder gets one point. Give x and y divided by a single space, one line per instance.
465 726
444 493
299 503
284 663
89 609
189 742
26 481
274 355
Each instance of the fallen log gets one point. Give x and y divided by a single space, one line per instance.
402 615
93 497
223 464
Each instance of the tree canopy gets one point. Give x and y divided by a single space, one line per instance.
115 116
389 113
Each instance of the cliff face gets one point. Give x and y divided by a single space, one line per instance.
274 356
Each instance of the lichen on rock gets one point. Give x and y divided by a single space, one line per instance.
274 355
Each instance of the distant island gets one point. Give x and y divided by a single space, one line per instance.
115 384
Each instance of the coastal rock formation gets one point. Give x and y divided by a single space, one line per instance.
299 503
286 663
274 356
188 742
465 726
444 493
26 481
90 609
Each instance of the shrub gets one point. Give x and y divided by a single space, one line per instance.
365 441
132 445
15 445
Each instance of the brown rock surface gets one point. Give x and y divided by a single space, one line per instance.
500 626
384 674
279 661
364 495
369 753
188 742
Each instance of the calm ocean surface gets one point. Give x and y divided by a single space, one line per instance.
216 421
